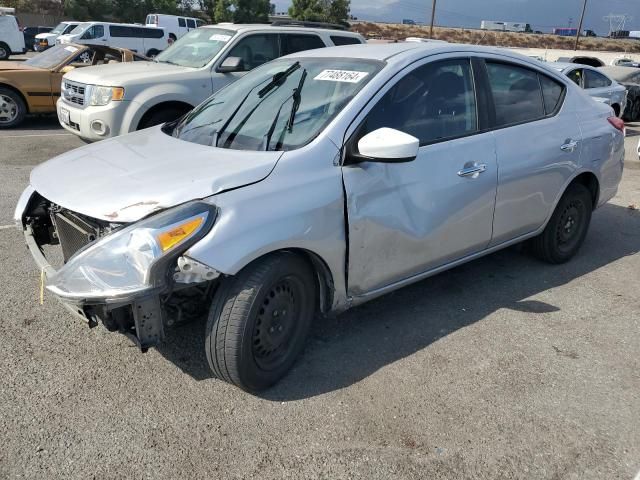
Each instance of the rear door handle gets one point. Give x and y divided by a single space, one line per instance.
472 170
569 146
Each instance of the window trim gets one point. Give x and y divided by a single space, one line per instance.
492 105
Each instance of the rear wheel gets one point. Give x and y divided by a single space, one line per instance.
4 51
567 228
152 53
259 321
12 108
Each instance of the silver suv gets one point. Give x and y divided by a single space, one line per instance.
315 183
110 100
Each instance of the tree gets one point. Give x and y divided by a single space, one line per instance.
332 11
222 12
249 11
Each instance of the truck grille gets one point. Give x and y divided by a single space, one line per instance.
73 92
73 232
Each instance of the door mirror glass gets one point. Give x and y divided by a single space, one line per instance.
232 64
388 145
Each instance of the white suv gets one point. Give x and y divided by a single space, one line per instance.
110 100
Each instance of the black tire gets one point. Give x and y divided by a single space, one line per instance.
152 53
159 117
635 110
17 111
259 321
5 51
628 115
616 109
567 228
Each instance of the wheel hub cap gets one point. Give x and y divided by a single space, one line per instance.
8 109
274 325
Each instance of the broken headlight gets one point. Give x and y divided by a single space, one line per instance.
134 258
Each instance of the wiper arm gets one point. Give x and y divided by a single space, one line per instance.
272 127
278 79
297 97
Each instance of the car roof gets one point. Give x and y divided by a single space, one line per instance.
561 66
403 50
244 27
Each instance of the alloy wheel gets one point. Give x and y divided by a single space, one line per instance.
8 109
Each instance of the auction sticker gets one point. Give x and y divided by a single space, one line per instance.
348 76
71 49
220 38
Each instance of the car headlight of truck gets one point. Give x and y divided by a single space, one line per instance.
135 258
100 96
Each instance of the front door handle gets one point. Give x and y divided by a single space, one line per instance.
569 146
472 170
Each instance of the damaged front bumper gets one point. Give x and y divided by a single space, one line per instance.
138 316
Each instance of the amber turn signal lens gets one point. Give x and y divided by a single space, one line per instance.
117 93
177 234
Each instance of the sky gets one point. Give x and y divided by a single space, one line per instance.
541 14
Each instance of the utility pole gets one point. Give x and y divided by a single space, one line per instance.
433 15
584 7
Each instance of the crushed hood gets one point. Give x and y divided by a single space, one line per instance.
126 178
129 73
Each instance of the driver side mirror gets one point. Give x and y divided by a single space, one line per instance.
67 69
231 64
385 145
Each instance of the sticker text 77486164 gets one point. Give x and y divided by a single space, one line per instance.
348 76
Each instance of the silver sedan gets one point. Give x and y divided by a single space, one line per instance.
315 183
596 83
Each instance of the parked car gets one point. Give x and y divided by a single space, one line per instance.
148 41
628 77
596 84
315 183
33 86
48 40
625 62
30 33
190 70
11 39
175 25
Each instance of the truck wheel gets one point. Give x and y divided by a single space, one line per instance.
152 53
4 51
567 228
259 321
12 108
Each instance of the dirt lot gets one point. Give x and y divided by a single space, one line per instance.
503 368
500 39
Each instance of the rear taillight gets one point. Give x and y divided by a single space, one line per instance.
617 123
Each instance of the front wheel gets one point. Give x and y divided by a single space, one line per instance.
12 108
567 228
4 51
259 321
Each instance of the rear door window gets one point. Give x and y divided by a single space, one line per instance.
552 93
340 40
255 50
182 22
516 93
292 43
595 80
576 76
191 23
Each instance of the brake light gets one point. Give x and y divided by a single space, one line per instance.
618 124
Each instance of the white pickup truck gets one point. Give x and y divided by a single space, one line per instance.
110 100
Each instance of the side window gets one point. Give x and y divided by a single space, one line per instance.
191 23
292 43
199 23
152 32
576 76
551 93
95 31
119 31
255 50
181 22
516 93
340 40
596 80
433 102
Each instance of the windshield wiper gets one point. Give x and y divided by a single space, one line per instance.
277 80
294 108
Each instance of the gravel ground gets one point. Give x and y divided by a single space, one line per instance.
502 368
